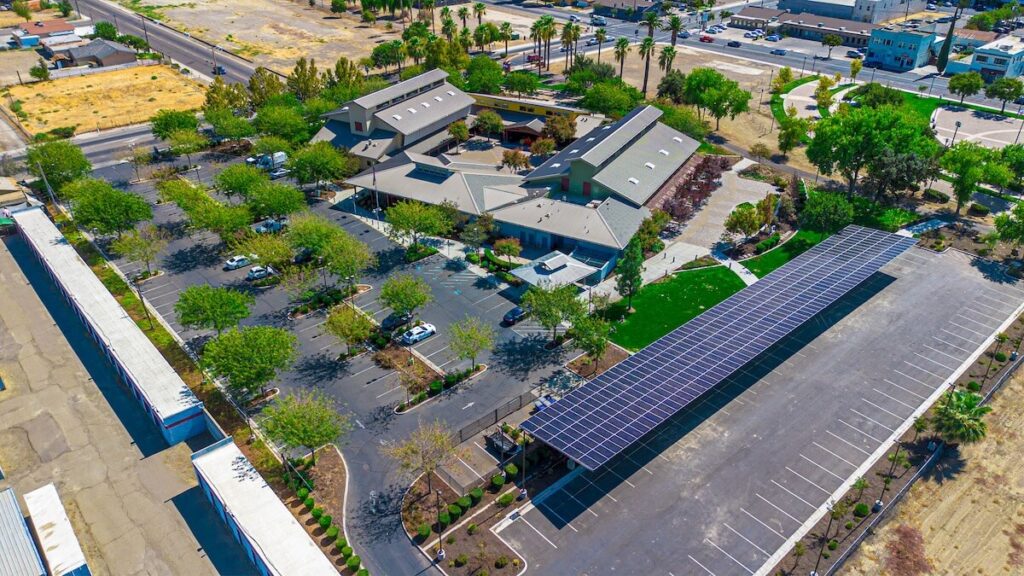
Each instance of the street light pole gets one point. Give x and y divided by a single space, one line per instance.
824 541
145 31
1017 139
955 130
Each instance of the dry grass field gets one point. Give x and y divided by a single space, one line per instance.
971 516
105 99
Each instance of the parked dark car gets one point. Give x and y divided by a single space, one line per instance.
514 315
395 321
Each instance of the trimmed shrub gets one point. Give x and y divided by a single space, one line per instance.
506 499
454 511
979 209
332 532
346 551
833 544
483 573
363 572
974 386
498 480
1000 356
450 539
471 529
341 542
476 494
435 387
317 512
325 521
353 563
465 502
308 502
474 258
936 196
511 470
861 510
849 524
461 560
444 519
501 562
423 531
303 493
767 244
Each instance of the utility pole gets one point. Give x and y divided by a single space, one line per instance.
138 289
53 198
145 31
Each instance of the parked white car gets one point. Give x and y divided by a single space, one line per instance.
236 262
418 334
259 273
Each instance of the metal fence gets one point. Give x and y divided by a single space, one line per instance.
85 71
495 416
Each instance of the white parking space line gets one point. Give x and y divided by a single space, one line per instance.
307 328
747 540
701 565
755 518
606 492
372 366
147 289
492 295
826 470
872 420
498 305
895 399
741 564
793 494
990 307
326 347
1000 300
933 349
877 407
855 429
786 514
962 327
808 480
834 454
471 469
557 515
383 394
978 322
950 344
613 473
847 442
934 361
580 502
523 518
164 305
964 338
993 318
152 296
921 382
929 372
432 354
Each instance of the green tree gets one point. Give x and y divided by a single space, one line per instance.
792 130
488 122
727 99
267 249
271 144
226 125
971 164
484 75
542 147
104 31
40 71
321 161
675 25
966 84
861 484
826 212
508 247
305 419
612 99
601 35
349 325
621 51
590 334
99 206
474 237
312 232
522 82
458 132
187 142
823 94
273 199
960 417
164 122
65 8
831 41
1010 225
785 76
249 358
665 58
505 33
553 305
745 219
672 86
414 220
561 129
855 67
346 257
304 80
213 308
874 95
339 6
1013 158
405 293
142 245
469 337
1004 89
429 447
646 49
239 180
264 86
282 121
59 162
629 271
652 20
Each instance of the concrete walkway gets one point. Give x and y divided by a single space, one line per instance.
802 98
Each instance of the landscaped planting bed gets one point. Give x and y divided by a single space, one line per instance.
587 368
774 258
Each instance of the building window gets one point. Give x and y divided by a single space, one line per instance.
565 183
1000 61
586 188
359 126
981 58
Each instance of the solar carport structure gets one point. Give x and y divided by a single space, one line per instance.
595 422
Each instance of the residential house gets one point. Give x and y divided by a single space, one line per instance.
813 27
1002 58
753 18
973 38
100 53
900 50
411 115
29 34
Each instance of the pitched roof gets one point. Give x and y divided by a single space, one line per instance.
46 27
423 109
640 170
757 13
412 85
18 556
611 224
553 269
99 48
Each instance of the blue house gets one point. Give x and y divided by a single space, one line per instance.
900 50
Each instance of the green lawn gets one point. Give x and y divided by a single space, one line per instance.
664 306
799 243
924 106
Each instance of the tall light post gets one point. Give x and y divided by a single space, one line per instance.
955 130
145 31
824 541
1017 139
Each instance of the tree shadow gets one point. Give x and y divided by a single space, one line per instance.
311 370
277 318
192 257
380 419
380 518
993 272
948 467
518 357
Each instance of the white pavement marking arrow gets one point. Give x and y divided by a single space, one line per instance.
468 405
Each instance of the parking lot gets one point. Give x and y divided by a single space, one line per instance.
727 485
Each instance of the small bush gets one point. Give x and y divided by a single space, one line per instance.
974 386
423 531
450 539
1000 356
465 502
346 551
849 524
363 572
511 470
308 502
936 196
861 510
455 512
325 521
303 493
979 209
317 512
353 563
476 494
332 532
498 480
471 529
474 258
506 499
444 519
461 560
483 573
341 542
833 544
767 244
435 387
501 562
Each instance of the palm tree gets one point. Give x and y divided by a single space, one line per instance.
549 28
566 39
414 48
466 39
646 50
621 50
428 5
652 21
449 28
959 417
674 25
505 33
668 54
446 12
1001 338
479 9
860 485
600 35
464 15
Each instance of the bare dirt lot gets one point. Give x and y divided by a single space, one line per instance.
14 62
8 19
275 33
106 99
970 515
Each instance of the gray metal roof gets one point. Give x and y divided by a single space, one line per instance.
18 555
423 109
640 170
412 85
553 269
99 48
611 224
599 144
338 133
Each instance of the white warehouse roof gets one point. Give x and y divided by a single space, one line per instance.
56 536
165 391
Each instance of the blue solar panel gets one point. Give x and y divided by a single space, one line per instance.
603 417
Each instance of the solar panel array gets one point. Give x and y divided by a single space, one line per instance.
607 415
